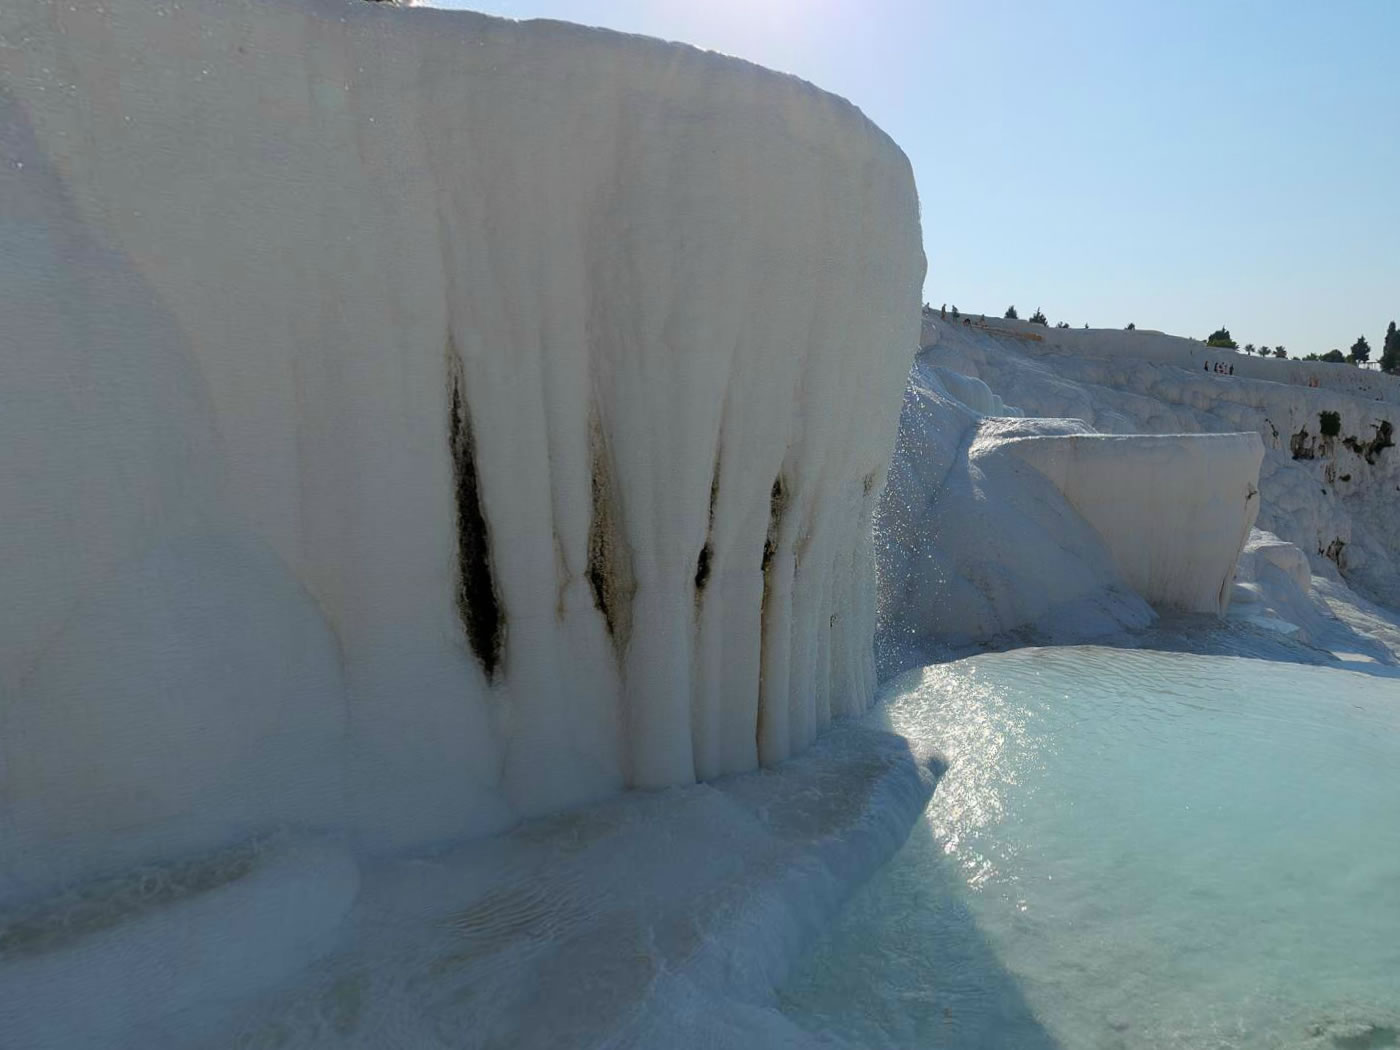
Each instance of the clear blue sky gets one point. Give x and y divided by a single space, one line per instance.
1181 165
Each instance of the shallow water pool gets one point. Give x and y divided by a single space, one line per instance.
1131 849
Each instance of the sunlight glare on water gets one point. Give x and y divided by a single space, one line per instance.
1132 849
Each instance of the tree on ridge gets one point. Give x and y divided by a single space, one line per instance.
1010 314
1390 351
1360 351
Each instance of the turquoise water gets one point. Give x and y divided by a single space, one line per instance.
1131 850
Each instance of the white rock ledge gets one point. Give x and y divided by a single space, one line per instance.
101 965
654 919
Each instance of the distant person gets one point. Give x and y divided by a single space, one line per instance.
1207 366
943 311
1232 369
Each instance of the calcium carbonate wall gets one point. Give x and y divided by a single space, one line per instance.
1173 510
413 420
974 543
996 523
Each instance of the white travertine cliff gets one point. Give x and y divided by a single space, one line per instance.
415 420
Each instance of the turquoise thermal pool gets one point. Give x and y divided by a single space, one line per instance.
1131 849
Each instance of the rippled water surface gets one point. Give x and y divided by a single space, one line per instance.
1132 850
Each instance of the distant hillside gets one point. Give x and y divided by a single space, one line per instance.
1336 496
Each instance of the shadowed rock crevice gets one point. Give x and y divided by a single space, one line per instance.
777 504
478 603
777 501
1335 553
707 552
610 572
702 570
1370 450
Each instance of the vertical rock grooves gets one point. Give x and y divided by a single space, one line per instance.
777 503
776 500
609 558
702 570
478 604
707 552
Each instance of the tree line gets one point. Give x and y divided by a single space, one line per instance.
1221 338
1359 354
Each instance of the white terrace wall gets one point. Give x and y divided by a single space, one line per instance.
414 420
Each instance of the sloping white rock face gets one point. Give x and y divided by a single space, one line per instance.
414 420
993 524
974 542
1173 510
1272 589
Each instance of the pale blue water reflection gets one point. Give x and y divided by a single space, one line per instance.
1132 849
